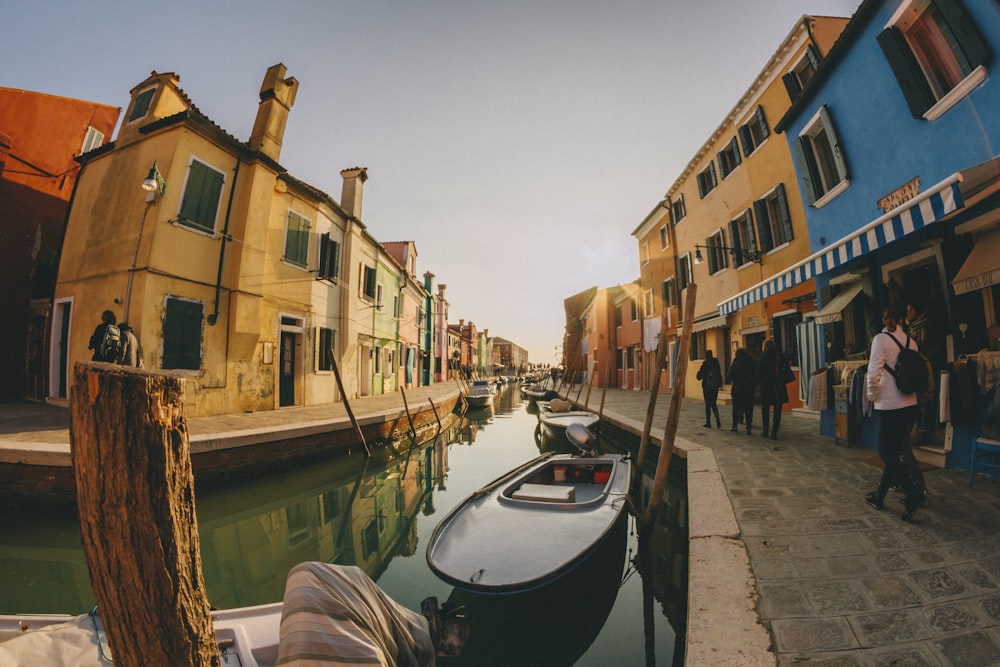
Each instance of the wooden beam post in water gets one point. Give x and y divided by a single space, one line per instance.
654 391
135 494
347 405
676 396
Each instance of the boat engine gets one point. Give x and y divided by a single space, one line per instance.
581 438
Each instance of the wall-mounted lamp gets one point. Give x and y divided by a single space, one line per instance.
154 184
741 256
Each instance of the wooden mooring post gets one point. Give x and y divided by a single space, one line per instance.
654 390
347 405
135 495
676 396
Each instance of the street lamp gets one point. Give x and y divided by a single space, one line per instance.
738 254
154 184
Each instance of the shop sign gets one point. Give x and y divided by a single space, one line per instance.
974 283
900 195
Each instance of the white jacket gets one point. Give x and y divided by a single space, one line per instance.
880 383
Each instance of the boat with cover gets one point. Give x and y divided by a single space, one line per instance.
534 524
558 415
480 394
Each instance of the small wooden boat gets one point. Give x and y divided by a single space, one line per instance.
538 393
480 394
533 525
555 423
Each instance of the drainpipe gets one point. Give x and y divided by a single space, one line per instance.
214 317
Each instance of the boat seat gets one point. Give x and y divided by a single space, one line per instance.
546 493
988 454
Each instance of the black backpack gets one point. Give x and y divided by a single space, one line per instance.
111 344
911 368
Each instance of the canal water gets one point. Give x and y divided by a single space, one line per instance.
626 608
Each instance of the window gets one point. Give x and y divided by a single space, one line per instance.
677 209
664 238
378 298
397 310
644 250
635 308
821 162
741 235
200 201
699 343
93 139
936 53
668 292
802 73
716 253
648 305
182 326
784 335
618 316
141 105
368 281
683 271
327 338
707 180
774 223
329 259
297 239
754 132
729 158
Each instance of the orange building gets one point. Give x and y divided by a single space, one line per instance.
40 137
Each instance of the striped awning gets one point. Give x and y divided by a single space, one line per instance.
922 210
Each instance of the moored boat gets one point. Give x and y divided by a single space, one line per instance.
480 394
555 423
531 526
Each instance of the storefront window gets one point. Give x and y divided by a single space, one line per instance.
784 336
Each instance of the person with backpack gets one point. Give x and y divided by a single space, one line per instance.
889 384
106 341
773 393
710 375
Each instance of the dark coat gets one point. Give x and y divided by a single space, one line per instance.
772 391
710 366
743 378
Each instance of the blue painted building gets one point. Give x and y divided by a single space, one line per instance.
896 142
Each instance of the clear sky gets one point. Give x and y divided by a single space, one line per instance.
517 142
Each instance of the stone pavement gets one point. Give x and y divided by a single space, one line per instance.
787 565
838 582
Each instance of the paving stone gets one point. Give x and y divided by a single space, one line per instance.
891 593
937 583
971 650
784 601
991 605
904 657
813 635
947 618
836 597
891 627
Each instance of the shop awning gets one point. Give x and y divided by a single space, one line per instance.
937 202
712 323
834 311
982 266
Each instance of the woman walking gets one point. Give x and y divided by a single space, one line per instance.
773 393
743 378
710 375
896 412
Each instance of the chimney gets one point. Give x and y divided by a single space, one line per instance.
277 95
354 185
441 288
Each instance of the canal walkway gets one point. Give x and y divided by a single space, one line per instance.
787 565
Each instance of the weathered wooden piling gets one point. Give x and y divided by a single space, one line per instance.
670 430
135 495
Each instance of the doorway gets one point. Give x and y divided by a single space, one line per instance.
289 360
59 349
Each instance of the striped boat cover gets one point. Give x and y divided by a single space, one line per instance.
916 214
336 615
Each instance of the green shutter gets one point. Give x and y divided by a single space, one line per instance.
911 79
813 55
734 148
970 40
297 240
182 324
747 139
804 156
324 257
765 132
201 197
785 223
791 85
838 154
763 225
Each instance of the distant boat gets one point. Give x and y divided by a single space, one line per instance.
535 524
480 394
538 393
